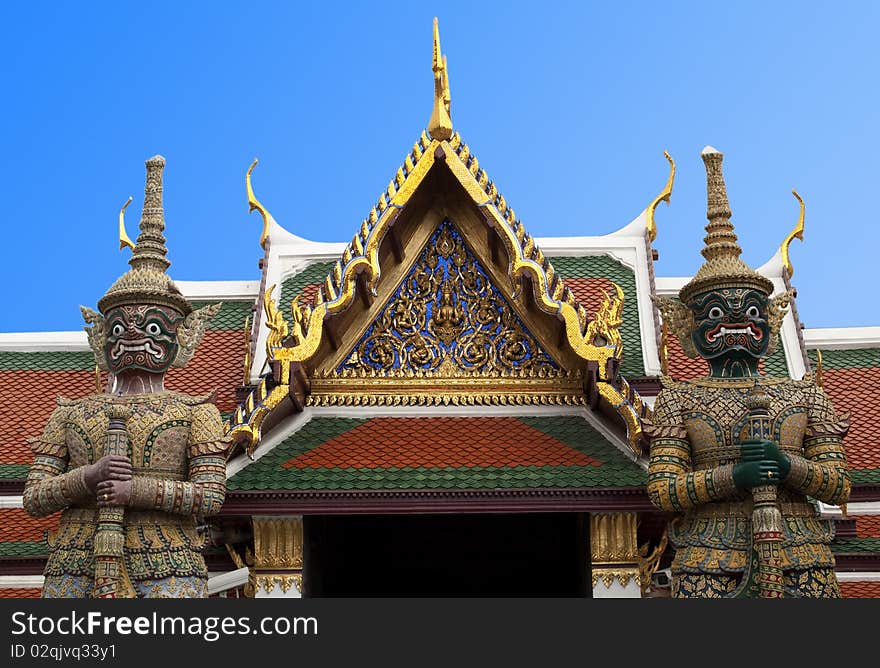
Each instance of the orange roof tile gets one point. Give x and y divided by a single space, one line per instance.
860 589
682 367
217 365
590 292
867 526
28 398
17 525
441 442
20 592
856 391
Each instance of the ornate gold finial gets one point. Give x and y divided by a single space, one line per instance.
664 196
819 368
664 350
255 205
124 239
278 328
248 360
797 232
723 266
440 125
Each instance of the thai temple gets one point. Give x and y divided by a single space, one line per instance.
445 405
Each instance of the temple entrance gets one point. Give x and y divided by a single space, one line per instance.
539 554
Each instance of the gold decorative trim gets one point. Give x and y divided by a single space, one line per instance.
608 575
629 406
124 239
409 389
664 196
247 420
796 233
649 560
614 552
275 322
248 360
255 205
278 553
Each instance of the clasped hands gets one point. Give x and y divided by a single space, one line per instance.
110 479
762 463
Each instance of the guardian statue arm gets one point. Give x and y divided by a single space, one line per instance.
673 485
205 489
50 486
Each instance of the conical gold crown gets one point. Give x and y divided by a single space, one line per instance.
146 282
723 267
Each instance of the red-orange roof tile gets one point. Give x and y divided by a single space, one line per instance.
28 398
17 525
20 592
441 442
590 292
867 526
858 391
860 589
217 365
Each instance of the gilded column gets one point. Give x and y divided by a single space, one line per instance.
614 555
278 557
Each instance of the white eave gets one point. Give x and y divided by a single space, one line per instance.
842 338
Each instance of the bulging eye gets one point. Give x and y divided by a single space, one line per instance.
117 329
154 329
715 313
753 312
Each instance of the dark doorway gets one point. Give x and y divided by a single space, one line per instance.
541 554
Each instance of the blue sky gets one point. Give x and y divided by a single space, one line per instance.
568 106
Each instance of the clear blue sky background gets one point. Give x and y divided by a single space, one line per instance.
568 106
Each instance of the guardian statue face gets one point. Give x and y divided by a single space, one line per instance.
141 337
731 322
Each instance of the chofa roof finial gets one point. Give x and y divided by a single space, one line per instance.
440 125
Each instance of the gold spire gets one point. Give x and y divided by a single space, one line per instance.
146 282
255 205
440 125
723 267
124 239
797 232
664 196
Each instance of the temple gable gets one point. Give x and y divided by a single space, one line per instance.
447 318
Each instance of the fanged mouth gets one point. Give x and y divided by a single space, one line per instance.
735 328
142 346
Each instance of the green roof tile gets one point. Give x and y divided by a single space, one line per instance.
47 361
853 545
231 316
864 476
602 266
13 471
616 470
858 358
21 548
292 286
